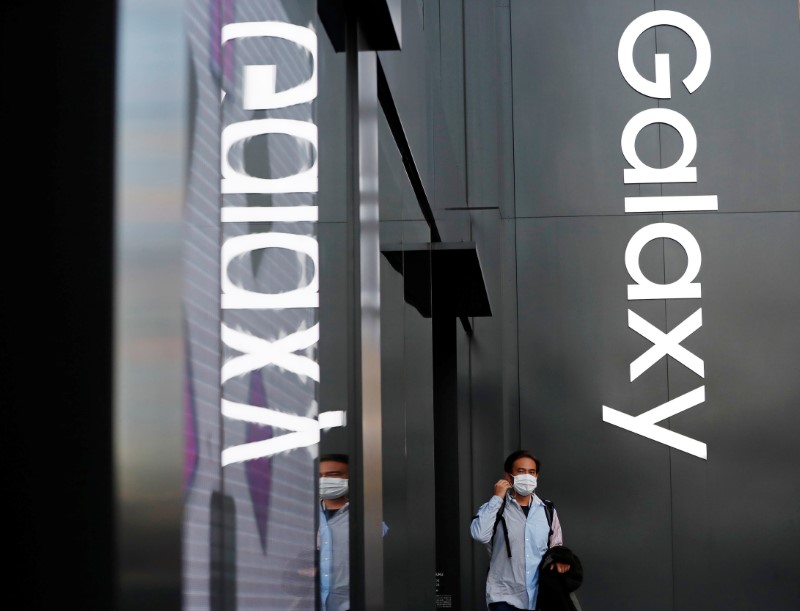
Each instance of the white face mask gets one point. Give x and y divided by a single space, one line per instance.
332 487
525 484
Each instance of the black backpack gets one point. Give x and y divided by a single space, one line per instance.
549 508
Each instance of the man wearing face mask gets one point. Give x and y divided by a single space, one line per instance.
513 579
334 532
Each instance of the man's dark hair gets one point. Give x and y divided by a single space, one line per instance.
515 456
337 457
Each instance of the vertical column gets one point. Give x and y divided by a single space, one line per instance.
369 245
366 545
449 527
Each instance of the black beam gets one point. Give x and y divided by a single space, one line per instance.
396 126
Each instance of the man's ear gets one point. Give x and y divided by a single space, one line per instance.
509 478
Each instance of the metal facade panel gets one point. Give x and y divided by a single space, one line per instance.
395 468
745 112
745 496
335 393
570 104
332 121
611 488
488 128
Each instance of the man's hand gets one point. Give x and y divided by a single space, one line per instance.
560 567
501 487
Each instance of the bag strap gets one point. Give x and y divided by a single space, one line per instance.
499 519
549 509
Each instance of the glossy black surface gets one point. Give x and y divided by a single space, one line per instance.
513 110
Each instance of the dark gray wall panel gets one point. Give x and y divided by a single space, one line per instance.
622 496
490 418
745 113
506 310
332 126
395 471
494 349
407 391
611 487
487 83
334 386
446 107
466 507
420 485
745 496
570 105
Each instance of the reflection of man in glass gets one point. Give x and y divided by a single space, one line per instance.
334 532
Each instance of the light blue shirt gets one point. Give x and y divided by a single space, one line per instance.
515 580
334 559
